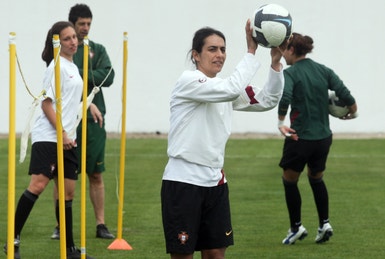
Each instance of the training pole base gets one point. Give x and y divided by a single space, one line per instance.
119 244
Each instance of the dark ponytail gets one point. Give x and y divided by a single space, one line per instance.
47 54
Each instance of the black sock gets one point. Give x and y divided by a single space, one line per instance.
68 219
293 202
57 212
321 199
23 209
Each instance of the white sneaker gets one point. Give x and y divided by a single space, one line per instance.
294 236
324 233
56 233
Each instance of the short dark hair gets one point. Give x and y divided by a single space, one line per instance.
47 54
200 37
79 11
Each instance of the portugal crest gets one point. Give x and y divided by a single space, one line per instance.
183 237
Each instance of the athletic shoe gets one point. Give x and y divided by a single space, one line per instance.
16 244
56 233
291 237
74 253
324 233
102 232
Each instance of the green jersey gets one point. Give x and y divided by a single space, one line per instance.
306 91
99 65
99 71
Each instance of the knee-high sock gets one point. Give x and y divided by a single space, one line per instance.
321 199
68 218
293 202
23 209
57 211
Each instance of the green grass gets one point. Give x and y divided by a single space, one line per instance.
355 179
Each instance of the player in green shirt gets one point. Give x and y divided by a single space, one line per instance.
100 73
309 137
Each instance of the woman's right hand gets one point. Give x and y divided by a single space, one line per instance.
252 45
288 132
67 142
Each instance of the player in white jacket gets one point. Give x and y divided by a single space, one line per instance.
195 203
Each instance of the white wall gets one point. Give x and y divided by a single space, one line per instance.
347 37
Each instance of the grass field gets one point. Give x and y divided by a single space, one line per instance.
355 179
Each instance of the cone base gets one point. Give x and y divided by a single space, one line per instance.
119 244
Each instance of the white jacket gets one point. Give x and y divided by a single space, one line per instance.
201 112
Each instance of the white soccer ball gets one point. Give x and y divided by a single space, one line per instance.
271 25
337 108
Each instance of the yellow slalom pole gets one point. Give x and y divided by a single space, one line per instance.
119 243
11 146
83 151
60 152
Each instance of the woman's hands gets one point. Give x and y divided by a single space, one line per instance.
68 143
252 45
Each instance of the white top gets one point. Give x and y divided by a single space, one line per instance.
201 113
71 93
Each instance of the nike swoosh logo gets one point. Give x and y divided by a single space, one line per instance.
285 20
229 233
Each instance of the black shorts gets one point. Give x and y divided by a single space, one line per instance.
195 218
44 161
314 153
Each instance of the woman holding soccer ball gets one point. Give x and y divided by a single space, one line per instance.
195 202
308 139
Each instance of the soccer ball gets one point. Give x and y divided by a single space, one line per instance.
271 26
337 108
